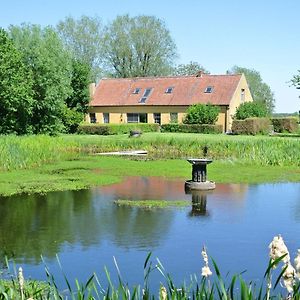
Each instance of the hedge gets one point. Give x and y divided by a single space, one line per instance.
109 129
192 128
251 126
285 124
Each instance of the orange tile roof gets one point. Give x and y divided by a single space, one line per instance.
187 90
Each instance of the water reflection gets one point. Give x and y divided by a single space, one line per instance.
199 200
87 228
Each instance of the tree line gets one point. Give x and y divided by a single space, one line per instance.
45 71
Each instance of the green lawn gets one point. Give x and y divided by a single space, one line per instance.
102 170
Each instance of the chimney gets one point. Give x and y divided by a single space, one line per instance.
199 73
92 89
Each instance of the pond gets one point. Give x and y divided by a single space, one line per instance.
86 229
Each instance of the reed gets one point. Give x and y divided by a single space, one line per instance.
32 151
23 152
260 150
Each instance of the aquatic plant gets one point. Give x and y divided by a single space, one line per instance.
235 288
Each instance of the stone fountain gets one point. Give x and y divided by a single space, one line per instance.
199 175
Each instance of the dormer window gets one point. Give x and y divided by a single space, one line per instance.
169 90
209 89
136 91
146 95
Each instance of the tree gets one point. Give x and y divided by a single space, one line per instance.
15 89
83 38
296 80
202 114
192 68
260 91
50 64
138 46
79 97
250 110
78 101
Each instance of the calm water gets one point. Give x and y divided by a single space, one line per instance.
86 229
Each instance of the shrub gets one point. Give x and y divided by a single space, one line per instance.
251 126
285 124
71 119
108 129
251 110
202 114
192 128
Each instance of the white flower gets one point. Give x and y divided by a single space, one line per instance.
21 278
289 277
206 271
278 248
204 255
163 293
297 264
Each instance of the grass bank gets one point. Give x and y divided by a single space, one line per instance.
88 171
41 163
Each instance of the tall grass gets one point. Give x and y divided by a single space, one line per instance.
198 287
260 150
30 151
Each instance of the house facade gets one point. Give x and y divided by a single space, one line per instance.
166 99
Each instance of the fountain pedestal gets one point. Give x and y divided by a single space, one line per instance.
199 175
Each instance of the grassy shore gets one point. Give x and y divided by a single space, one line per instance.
41 163
88 171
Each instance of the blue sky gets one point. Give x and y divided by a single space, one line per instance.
259 34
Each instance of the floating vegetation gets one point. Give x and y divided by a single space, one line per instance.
152 203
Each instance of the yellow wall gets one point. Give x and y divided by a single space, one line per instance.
118 115
236 99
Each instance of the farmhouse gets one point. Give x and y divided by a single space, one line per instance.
165 99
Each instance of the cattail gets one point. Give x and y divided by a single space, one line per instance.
289 277
278 248
297 264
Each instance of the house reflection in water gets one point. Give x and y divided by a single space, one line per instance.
159 188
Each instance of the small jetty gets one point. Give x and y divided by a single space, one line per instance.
121 153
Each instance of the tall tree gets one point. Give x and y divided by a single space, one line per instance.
15 89
260 91
83 37
50 64
296 80
138 46
192 68
78 101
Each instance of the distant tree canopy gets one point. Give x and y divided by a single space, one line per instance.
138 46
84 38
260 91
192 68
202 114
16 101
296 80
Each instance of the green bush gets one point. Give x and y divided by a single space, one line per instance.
251 126
251 110
202 114
109 129
71 120
285 124
192 128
